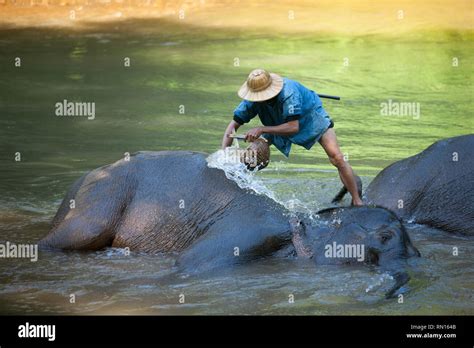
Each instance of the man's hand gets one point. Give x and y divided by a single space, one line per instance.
253 134
231 128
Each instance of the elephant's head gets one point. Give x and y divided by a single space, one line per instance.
388 247
357 234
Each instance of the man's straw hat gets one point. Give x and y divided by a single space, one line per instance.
261 85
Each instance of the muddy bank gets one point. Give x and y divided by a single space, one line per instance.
343 16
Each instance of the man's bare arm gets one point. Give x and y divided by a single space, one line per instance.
227 140
285 129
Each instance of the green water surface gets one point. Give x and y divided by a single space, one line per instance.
174 66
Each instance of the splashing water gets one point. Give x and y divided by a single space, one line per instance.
378 281
228 160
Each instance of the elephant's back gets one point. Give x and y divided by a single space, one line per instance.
434 187
176 200
157 202
182 176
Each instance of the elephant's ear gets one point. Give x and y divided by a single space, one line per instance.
299 238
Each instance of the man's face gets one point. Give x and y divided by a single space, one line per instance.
271 101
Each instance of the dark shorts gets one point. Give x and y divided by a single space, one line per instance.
321 128
331 125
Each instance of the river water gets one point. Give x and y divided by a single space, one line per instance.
178 93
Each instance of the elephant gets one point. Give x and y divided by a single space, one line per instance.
163 202
172 201
434 187
357 235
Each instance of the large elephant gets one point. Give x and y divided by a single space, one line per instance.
434 187
173 202
164 202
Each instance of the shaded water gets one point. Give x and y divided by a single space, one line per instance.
137 108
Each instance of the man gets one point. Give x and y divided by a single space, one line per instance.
290 114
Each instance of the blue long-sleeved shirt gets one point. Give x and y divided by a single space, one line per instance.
294 102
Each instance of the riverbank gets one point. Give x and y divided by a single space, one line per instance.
339 17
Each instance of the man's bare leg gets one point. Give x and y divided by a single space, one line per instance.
329 143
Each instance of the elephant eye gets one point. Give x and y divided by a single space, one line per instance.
385 236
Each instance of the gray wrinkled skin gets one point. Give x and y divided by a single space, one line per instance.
381 233
431 188
166 202
173 202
